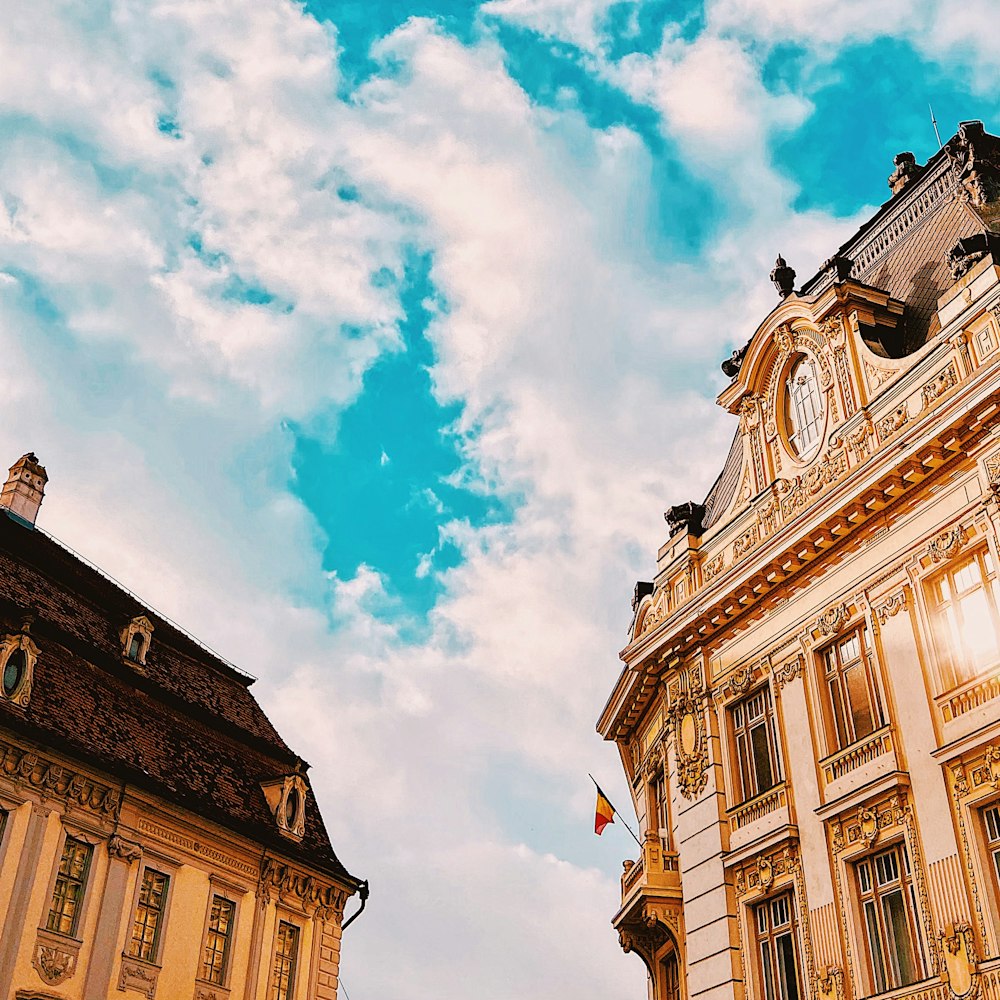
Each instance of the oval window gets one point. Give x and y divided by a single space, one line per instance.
13 672
803 407
292 807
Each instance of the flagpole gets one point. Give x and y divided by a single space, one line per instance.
618 814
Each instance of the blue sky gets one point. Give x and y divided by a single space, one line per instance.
371 340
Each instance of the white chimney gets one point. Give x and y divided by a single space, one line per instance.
25 487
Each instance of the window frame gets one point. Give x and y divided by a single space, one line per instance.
153 958
231 894
867 660
885 976
164 865
956 664
83 882
799 424
273 988
771 936
740 733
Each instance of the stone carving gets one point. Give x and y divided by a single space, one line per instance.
714 567
656 612
859 441
208 993
831 985
877 376
690 741
975 158
939 385
745 542
833 619
27 768
124 850
312 896
947 544
769 516
741 680
53 964
759 875
868 823
959 960
731 366
788 671
20 645
892 423
891 606
970 250
906 172
139 977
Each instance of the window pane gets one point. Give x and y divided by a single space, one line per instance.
875 948
977 628
217 940
68 890
899 940
146 927
767 971
862 716
787 973
763 773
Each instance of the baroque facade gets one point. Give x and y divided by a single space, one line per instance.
158 838
809 714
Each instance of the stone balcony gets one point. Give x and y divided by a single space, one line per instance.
759 817
651 888
858 765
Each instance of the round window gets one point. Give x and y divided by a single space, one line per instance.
804 411
13 672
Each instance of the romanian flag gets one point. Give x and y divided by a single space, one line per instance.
605 812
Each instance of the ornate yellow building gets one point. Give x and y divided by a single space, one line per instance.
157 836
809 713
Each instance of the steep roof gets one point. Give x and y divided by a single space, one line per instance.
188 729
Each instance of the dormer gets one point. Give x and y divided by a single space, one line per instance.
286 798
802 376
17 666
136 638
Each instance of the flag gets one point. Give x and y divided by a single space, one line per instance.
605 813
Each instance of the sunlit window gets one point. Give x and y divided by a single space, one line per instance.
965 600
803 407
851 690
149 915
67 893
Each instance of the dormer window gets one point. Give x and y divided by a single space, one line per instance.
136 637
803 407
286 797
17 664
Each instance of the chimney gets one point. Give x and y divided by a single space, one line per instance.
25 487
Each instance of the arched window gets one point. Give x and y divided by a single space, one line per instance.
803 407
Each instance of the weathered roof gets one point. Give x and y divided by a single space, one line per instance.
188 730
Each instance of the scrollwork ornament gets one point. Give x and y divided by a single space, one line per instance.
53 964
947 544
788 671
833 619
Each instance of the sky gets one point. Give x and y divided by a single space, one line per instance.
370 340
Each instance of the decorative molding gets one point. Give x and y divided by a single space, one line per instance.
939 385
193 846
877 377
690 738
11 644
124 850
745 542
315 898
947 544
741 680
891 606
286 798
788 671
714 567
210 992
138 976
959 961
54 957
28 769
891 424
992 467
833 619
139 626
655 613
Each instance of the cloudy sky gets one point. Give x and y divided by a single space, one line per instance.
370 339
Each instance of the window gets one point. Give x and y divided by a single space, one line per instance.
991 817
776 953
217 939
135 648
964 600
285 958
71 881
661 822
888 907
13 672
149 915
803 407
850 687
757 766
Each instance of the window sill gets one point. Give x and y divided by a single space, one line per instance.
204 990
139 975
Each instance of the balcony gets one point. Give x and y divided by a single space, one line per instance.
857 765
962 709
758 817
656 873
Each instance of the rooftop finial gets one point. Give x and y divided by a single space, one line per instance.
783 277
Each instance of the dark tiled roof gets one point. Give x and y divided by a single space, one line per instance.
189 730
720 496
